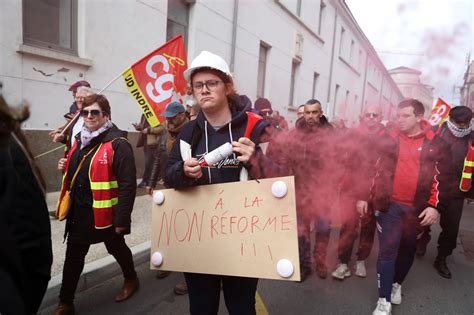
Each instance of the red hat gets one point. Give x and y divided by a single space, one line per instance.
78 84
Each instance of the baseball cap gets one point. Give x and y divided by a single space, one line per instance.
173 109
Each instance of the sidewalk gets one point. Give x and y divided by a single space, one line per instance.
100 266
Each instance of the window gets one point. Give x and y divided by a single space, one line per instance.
51 24
351 52
321 15
347 98
262 69
336 92
315 82
341 40
294 69
355 100
178 20
360 59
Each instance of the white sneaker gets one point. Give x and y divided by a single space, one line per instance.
342 271
360 269
396 297
383 307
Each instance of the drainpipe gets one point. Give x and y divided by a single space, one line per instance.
234 35
331 66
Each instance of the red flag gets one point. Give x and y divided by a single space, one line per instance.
440 113
157 79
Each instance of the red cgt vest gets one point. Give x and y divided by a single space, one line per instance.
104 185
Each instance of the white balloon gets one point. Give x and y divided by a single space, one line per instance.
158 197
156 259
279 189
285 268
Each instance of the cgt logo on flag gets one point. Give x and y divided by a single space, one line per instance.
156 79
440 113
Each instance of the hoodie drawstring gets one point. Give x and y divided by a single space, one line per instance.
231 138
207 150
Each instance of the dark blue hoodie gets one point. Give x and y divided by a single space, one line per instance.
198 137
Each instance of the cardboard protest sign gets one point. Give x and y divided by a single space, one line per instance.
238 229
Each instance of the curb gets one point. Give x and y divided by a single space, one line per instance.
95 273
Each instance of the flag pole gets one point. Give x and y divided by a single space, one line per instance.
78 114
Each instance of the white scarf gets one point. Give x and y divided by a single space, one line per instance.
458 132
87 135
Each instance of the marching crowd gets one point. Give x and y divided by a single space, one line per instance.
395 180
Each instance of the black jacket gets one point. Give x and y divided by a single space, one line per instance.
458 148
25 233
359 151
192 140
433 183
311 158
80 220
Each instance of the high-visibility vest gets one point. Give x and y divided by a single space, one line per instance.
103 183
468 169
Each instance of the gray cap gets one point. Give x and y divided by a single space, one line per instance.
173 109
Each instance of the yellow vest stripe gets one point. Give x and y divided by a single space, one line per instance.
466 175
104 203
104 185
469 163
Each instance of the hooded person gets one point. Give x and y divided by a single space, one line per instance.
457 133
223 118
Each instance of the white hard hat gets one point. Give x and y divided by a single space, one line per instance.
207 59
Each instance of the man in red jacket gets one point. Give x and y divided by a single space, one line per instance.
410 188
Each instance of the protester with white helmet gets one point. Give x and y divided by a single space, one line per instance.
223 118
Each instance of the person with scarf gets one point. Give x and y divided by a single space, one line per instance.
223 118
457 132
102 197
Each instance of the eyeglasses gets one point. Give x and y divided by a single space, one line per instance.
266 112
211 85
93 112
369 115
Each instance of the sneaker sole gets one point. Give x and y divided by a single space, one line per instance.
346 275
360 275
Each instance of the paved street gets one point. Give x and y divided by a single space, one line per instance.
424 292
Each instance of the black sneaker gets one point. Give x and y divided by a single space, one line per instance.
142 184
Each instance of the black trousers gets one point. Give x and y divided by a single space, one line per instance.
74 264
149 152
449 223
204 294
349 231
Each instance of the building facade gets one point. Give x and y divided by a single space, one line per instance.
288 51
409 82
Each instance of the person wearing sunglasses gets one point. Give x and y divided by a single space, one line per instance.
223 118
100 174
360 156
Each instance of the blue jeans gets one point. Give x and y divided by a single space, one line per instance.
397 229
